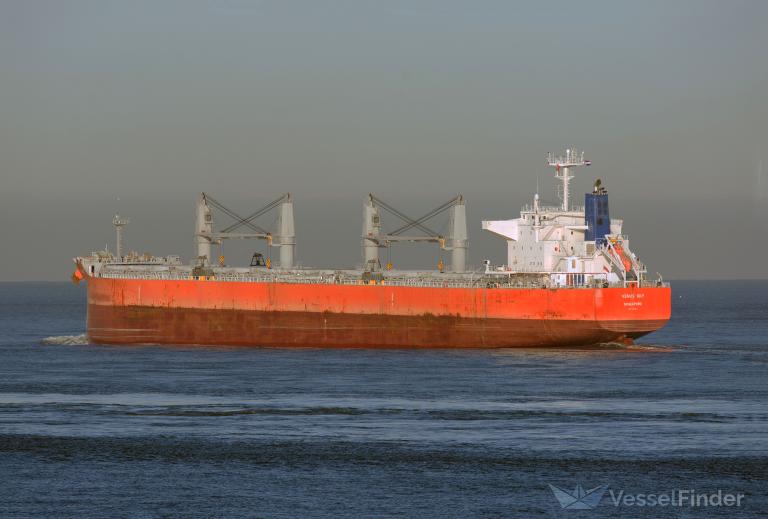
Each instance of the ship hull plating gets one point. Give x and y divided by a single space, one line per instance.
192 312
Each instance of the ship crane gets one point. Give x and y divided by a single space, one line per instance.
455 241
285 237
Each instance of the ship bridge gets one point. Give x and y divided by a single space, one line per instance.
582 243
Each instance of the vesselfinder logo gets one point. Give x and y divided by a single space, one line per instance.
588 499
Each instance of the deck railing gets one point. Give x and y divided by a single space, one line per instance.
478 280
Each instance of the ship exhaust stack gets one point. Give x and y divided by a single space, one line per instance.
287 233
458 236
204 229
596 214
119 222
371 234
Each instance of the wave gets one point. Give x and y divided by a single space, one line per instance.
595 415
66 340
254 411
379 453
632 347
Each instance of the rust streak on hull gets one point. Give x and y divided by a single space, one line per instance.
141 324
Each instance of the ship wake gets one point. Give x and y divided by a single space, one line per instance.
65 340
632 347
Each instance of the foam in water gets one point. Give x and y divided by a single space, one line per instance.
66 340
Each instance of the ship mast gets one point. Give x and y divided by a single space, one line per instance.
119 222
563 165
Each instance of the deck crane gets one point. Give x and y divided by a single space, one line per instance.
206 236
373 238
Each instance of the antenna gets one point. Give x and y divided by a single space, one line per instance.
119 222
562 164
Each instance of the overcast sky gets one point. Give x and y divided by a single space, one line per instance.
138 105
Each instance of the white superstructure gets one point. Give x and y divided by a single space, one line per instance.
553 239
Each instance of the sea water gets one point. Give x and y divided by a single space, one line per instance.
150 431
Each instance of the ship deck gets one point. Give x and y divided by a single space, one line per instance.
405 278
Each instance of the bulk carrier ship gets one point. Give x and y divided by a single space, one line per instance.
570 279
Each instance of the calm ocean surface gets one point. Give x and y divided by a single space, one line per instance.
100 431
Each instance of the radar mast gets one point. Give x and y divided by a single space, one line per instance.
563 164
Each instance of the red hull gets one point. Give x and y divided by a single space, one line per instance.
144 311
